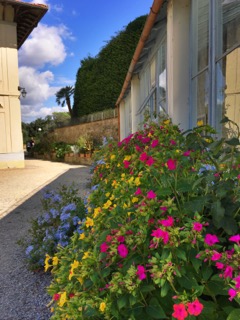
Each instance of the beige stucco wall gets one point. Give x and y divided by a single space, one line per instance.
11 142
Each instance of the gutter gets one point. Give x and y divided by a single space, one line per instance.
156 6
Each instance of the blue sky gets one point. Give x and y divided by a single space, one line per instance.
69 32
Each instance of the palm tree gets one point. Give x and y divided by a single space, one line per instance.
63 97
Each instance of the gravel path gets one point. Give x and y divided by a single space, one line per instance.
23 293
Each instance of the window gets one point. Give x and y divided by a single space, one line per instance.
216 63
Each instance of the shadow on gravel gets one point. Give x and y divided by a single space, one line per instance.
22 292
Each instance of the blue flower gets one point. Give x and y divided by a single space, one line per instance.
64 216
57 198
54 213
66 226
29 249
75 220
69 207
94 187
206 167
63 243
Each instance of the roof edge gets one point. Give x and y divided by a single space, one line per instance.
154 10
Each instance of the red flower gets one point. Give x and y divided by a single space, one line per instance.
171 164
122 250
121 239
56 296
104 247
194 308
180 312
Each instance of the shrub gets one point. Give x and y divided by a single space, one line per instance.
161 237
63 213
61 148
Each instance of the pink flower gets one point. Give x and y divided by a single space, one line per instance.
138 149
232 293
194 308
122 250
235 238
216 256
143 157
171 164
237 280
108 238
121 239
150 161
228 273
238 177
211 239
141 272
173 142
126 163
151 195
197 226
164 209
154 143
104 247
56 296
159 233
168 222
180 312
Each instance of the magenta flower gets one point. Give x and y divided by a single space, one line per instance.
211 239
194 308
180 312
154 143
171 164
219 265
164 209
138 191
232 293
138 149
187 153
141 272
150 161
104 247
197 226
237 280
173 142
216 256
159 233
228 273
151 195
235 238
168 222
122 250
143 157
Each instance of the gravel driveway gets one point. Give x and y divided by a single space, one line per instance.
22 292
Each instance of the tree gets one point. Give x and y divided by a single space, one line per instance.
63 97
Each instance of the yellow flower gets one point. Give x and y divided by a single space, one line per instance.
166 121
127 158
149 135
137 181
114 183
118 165
62 299
208 140
112 157
200 123
134 199
89 209
85 255
112 197
74 265
52 310
130 180
107 194
89 222
80 279
123 175
107 204
82 236
46 264
102 306
96 212
55 261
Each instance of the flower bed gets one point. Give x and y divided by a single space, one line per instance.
161 237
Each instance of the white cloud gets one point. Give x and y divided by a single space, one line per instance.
40 2
29 114
57 7
44 46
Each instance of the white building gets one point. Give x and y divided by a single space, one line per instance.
187 62
17 20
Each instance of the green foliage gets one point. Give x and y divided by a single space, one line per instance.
62 212
63 96
61 148
161 238
99 79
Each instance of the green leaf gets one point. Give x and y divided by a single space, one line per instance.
188 281
165 289
234 315
206 272
147 288
233 142
217 213
181 254
154 310
122 302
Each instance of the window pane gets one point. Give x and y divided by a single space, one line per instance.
228 91
200 35
230 24
201 98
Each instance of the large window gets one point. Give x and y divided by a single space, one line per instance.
215 62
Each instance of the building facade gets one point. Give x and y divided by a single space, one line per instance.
17 20
187 65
